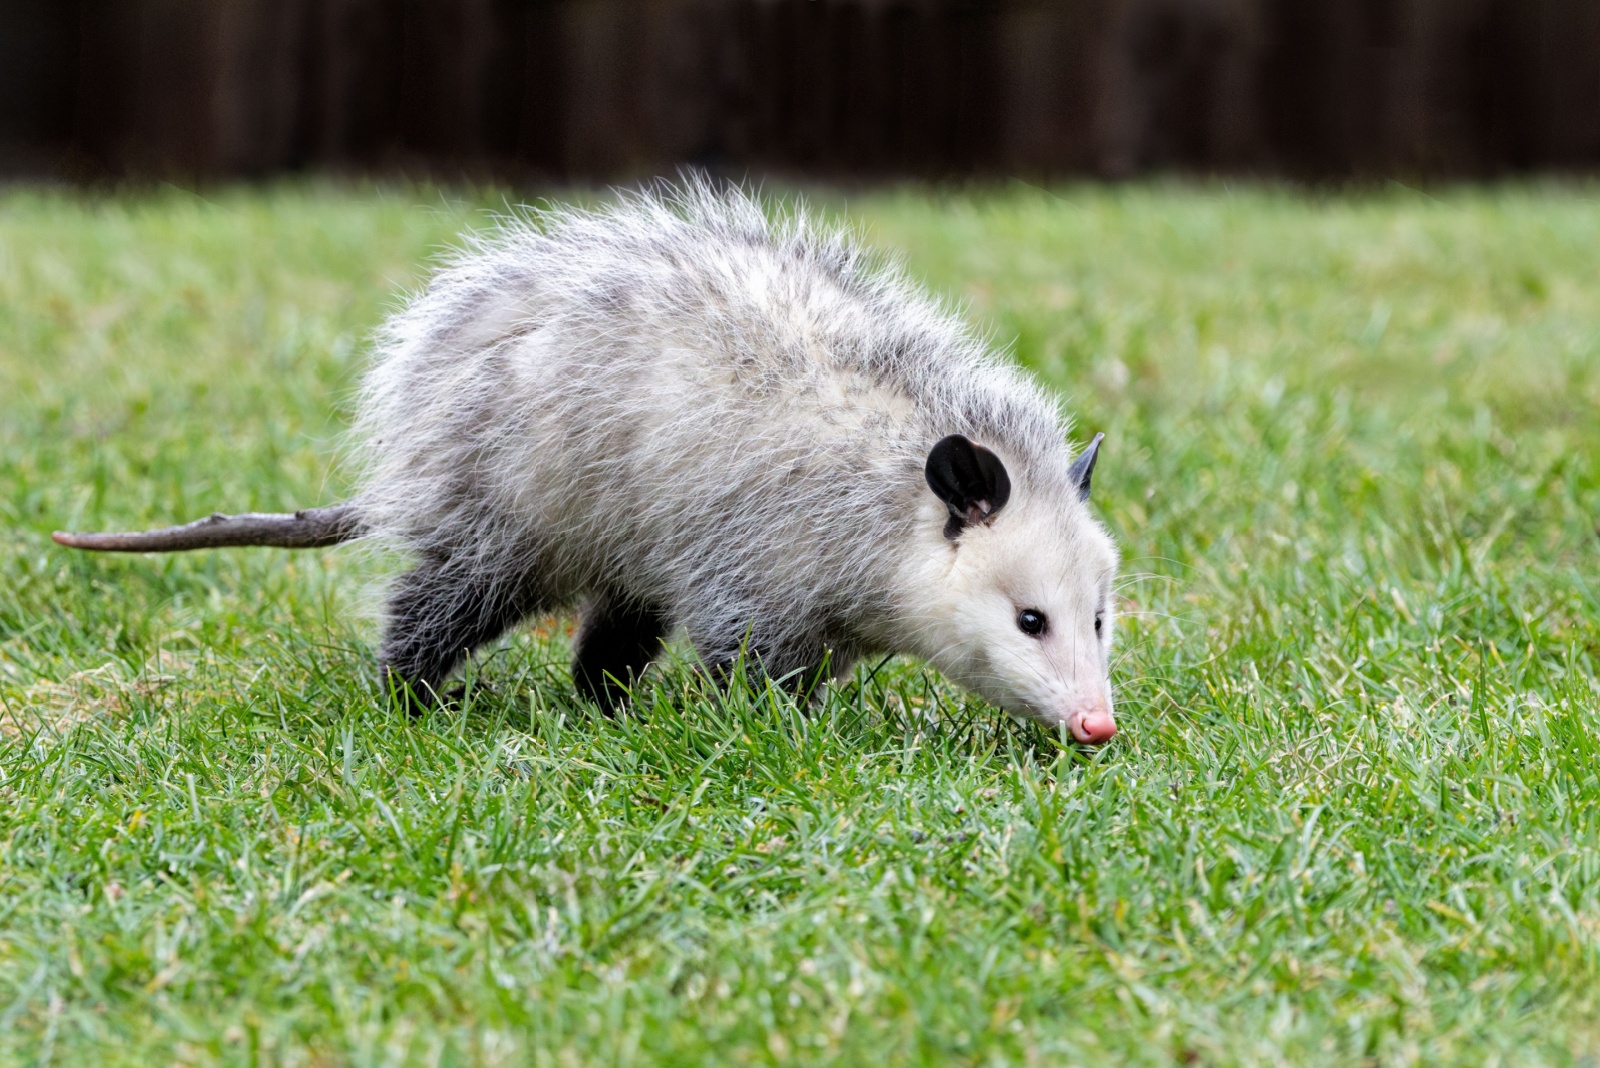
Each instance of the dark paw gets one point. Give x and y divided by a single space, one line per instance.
416 699
609 699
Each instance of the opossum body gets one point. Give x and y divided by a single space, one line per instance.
678 414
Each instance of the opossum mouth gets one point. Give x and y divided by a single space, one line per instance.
1088 726
1092 728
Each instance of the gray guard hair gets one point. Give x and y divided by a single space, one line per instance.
682 402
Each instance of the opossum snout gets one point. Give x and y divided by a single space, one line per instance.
1093 726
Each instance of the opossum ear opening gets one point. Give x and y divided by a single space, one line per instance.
1082 469
969 479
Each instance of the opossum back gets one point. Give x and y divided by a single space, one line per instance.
678 369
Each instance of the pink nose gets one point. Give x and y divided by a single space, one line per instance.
1093 728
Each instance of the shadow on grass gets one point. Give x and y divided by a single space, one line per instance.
678 712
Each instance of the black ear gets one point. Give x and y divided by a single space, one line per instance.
1082 469
969 479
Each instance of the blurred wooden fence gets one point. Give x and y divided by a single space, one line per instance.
612 88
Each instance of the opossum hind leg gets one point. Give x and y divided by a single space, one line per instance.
438 613
616 641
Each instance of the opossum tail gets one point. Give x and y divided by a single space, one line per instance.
309 528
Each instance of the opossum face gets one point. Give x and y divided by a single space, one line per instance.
1019 595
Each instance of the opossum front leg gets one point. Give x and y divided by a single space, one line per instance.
438 613
616 641
797 668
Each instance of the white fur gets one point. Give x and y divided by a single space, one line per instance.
681 402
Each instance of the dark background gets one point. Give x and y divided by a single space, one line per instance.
194 90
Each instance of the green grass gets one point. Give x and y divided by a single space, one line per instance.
1354 461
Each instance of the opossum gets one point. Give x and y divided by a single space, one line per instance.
690 411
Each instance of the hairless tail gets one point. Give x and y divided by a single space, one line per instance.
309 528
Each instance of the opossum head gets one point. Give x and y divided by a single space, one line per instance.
1014 586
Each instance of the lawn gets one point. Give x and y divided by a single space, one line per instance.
1353 459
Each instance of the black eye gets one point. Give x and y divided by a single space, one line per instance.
1098 621
1032 621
